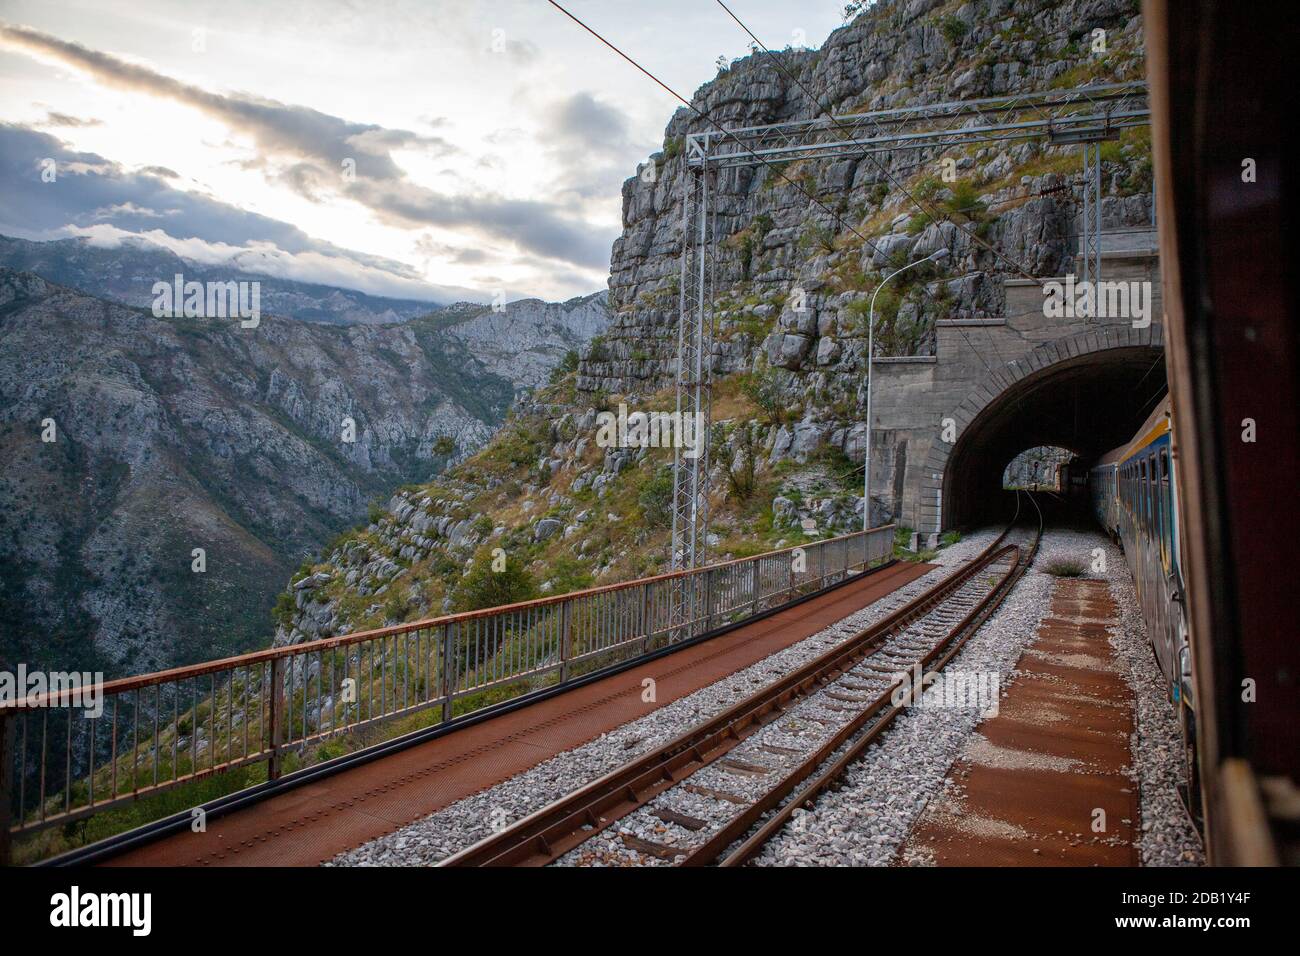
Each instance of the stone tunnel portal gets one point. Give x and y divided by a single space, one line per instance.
1088 404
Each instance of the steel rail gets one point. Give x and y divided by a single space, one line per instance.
547 834
732 831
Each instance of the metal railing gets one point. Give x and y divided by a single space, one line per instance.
60 763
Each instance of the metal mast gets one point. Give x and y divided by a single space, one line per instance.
694 381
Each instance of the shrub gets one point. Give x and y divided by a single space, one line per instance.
953 29
764 390
566 365
841 468
740 477
284 609
484 587
656 500
1066 568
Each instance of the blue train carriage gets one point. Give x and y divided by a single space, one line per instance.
1135 498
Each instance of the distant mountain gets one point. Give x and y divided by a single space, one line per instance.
126 273
526 339
172 435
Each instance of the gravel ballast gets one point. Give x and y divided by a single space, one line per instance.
867 821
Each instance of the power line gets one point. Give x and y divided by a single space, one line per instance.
831 116
884 169
773 168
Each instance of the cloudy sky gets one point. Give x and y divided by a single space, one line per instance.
415 148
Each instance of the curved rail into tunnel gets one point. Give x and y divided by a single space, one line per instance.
1087 403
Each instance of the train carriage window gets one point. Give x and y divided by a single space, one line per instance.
1153 483
1158 528
1148 481
1142 494
1166 489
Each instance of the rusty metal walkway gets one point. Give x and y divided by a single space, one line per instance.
317 820
1045 782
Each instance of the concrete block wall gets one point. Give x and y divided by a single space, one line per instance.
976 361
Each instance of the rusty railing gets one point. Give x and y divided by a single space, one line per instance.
61 763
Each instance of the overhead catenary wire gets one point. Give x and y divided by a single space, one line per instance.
771 167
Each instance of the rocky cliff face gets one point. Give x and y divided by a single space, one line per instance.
526 339
787 404
773 238
130 441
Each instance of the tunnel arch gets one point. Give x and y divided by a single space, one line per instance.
1086 393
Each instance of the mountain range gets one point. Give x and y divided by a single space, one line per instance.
162 477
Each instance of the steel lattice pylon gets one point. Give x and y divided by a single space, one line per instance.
694 378
1091 215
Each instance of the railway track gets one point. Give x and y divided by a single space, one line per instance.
775 751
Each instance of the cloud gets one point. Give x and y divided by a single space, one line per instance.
584 121
305 150
63 119
590 142
99 199
275 127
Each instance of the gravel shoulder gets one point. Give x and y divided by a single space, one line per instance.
868 819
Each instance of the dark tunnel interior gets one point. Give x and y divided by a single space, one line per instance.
1088 405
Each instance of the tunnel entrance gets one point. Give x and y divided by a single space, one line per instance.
1036 469
1085 404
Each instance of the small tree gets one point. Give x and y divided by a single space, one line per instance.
485 587
656 500
741 482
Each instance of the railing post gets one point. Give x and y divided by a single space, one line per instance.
821 565
709 575
7 727
789 588
566 639
448 677
645 617
275 719
753 588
